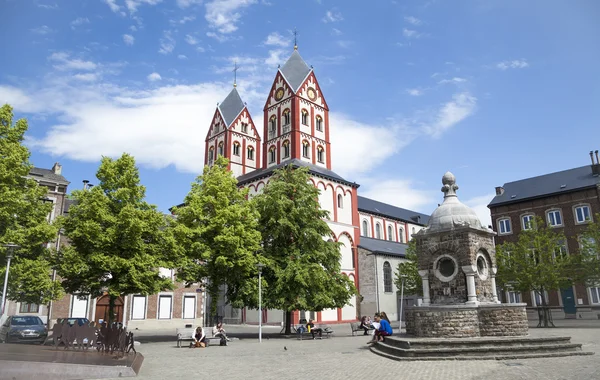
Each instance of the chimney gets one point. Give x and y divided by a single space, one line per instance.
57 168
85 184
499 190
595 164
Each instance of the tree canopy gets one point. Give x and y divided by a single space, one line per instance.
23 219
303 271
217 228
412 280
118 240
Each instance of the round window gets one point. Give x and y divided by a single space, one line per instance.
446 266
482 267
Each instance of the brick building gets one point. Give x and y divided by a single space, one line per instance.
567 200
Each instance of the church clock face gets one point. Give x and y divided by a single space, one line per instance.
279 94
312 95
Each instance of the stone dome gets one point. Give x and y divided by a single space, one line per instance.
452 213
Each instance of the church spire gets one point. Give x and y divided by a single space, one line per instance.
235 69
295 39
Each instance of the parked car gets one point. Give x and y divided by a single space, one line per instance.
23 329
80 321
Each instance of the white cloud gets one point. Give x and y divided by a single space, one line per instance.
277 40
275 57
132 5
87 77
181 56
167 43
415 91
479 205
332 16
451 113
412 20
454 80
345 44
400 192
113 5
63 62
336 32
514 64
223 15
187 19
187 3
191 39
200 49
408 33
79 21
128 39
133 28
44 29
154 77
47 6
220 37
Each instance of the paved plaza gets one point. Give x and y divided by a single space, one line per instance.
347 357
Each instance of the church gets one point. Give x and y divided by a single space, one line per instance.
296 131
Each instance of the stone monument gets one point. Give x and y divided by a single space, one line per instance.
457 263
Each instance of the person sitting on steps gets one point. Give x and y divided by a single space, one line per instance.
312 330
385 329
199 338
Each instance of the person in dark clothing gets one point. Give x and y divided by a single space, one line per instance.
312 330
364 325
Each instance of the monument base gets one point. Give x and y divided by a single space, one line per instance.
467 321
20 361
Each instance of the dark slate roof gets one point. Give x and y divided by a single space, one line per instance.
375 207
383 246
295 70
231 107
548 184
314 169
47 174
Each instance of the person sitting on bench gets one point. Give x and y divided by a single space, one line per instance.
219 331
312 330
364 325
199 338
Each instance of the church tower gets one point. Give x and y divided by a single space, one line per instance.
232 134
296 117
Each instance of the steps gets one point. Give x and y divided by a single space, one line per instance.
486 348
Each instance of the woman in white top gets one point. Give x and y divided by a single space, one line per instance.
219 331
199 338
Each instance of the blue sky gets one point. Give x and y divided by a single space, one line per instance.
493 91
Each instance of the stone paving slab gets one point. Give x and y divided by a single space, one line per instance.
344 357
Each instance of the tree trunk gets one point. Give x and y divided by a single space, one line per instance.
111 309
544 314
288 322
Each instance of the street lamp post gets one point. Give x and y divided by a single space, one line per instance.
402 277
9 254
260 266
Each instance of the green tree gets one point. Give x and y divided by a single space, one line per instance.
118 240
303 271
217 228
589 251
537 262
23 219
409 271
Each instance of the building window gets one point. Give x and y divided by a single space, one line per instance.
365 226
513 297
79 306
412 231
340 201
165 305
390 233
236 149
527 221
286 117
582 214
305 149
272 155
554 218
537 298
251 153
29 308
504 226
244 127
189 307
286 149
561 249
221 148
138 310
272 127
320 154
401 235
305 117
595 294
211 155
387 277
378 231
319 124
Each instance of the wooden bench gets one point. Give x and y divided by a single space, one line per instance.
355 326
326 331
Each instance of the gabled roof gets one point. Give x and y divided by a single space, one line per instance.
384 247
295 70
375 207
314 169
231 107
554 183
48 175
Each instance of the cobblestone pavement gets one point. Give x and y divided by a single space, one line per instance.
345 357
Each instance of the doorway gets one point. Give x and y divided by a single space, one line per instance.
102 308
568 299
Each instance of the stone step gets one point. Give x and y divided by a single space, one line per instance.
476 351
423 343
513 356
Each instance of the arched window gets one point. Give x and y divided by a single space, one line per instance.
286 117
319 124
413 231
286 149
401 235
244 127
236 148
272 155
387 277
365 228
320 154
211 155
251 153
390 233
305 149
305 117
377 231
272 126
221 147
340 200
